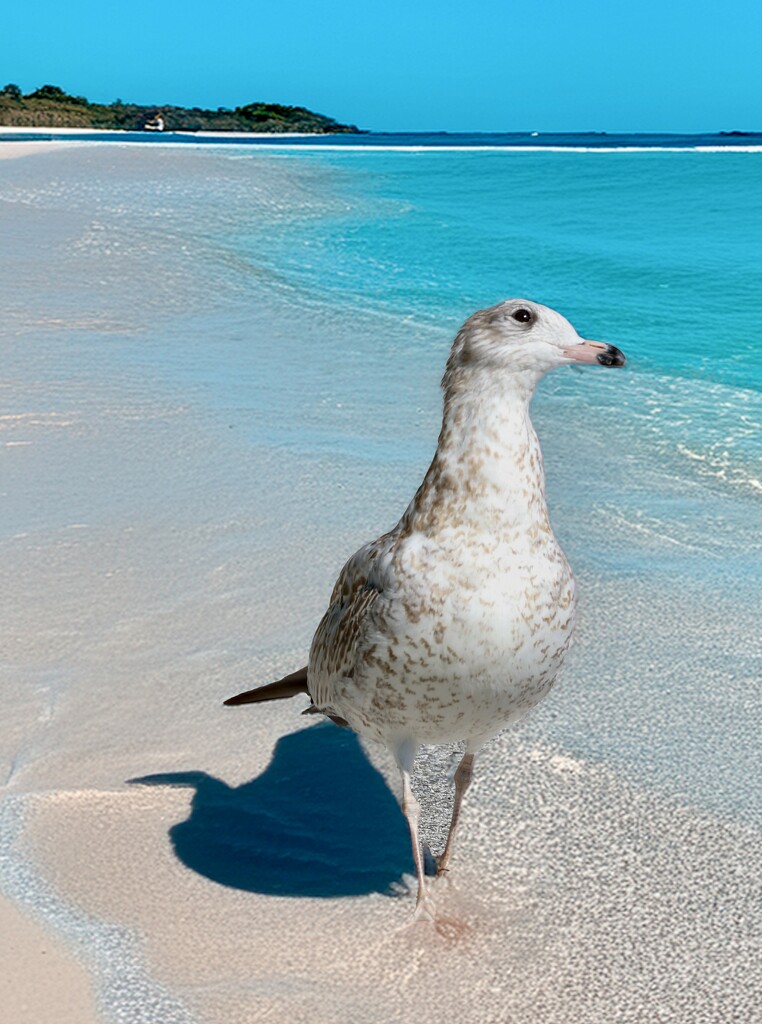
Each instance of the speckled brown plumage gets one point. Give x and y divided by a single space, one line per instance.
457 620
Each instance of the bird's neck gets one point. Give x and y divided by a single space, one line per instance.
487 472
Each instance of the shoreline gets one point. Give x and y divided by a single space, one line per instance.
93 969
38 129
280 141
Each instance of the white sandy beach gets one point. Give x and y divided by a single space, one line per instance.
40 981
10 150
41 130
161 555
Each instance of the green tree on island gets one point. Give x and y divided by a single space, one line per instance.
52 106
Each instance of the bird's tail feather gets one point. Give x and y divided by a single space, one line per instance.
289 686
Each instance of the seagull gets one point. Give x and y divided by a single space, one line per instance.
455 623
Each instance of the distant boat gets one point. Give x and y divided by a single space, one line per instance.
154 124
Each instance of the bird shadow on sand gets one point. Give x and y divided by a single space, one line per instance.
319 821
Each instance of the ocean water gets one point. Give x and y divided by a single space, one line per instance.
305 300
380 256
580 141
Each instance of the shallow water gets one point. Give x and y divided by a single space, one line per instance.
220 376
306 300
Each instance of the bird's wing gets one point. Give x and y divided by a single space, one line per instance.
338 638
336 641
360 568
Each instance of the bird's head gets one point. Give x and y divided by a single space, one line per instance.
523 339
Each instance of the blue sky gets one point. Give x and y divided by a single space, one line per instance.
679 65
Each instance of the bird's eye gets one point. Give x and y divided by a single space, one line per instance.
522 315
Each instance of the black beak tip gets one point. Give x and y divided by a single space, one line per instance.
612 357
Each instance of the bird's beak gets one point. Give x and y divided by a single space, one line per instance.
595 352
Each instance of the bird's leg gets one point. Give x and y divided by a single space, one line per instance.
463 775
405 756
411 809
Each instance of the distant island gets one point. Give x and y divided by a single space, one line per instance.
50 106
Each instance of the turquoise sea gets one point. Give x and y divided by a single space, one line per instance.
304 299
378 255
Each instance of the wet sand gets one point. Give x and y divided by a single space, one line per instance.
41 981
580 899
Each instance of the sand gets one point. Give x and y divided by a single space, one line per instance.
41 982
207 865
547 918
12 150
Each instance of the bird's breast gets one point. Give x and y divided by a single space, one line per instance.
466 643
508 610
